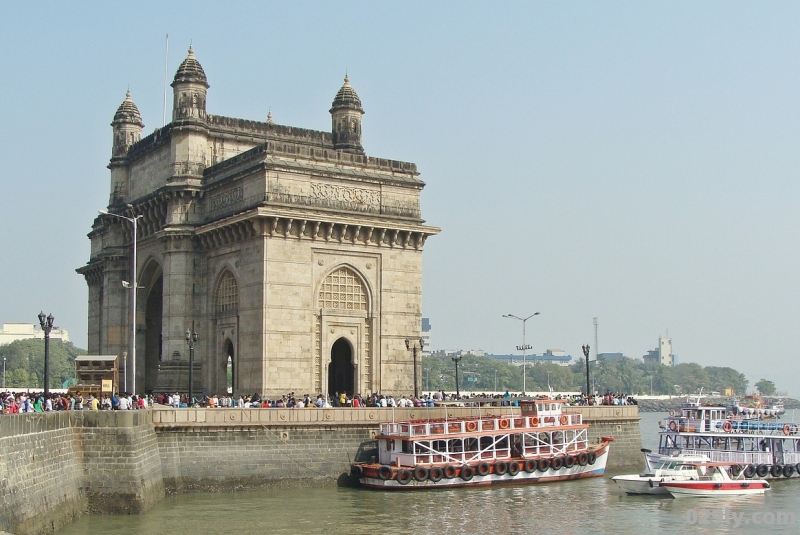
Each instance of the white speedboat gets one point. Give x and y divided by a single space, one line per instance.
667 468
715 482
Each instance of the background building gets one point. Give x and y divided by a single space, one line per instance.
555 356
11 332
661 354
296 257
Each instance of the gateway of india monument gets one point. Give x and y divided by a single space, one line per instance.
295 257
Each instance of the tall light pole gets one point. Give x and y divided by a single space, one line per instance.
457 360
134 285
524 346
414 348
4 373
47 325
586 354
191 339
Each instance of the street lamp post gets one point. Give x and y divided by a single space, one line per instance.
414 348
586 354
524 346
134 285
457 360
191 339
47 325
4 373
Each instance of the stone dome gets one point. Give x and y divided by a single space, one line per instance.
347 97
128 112
190 71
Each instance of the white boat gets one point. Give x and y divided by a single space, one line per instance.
667 468
542 443
715 482
758 446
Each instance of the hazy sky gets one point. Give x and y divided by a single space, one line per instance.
634 161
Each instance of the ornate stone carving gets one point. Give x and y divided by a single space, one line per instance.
345 194
227 198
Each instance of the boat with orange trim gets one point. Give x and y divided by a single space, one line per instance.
540 444
713 480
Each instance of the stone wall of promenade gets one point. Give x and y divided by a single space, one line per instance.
57 466
224 449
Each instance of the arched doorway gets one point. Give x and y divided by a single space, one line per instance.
341 372
230 370
152 341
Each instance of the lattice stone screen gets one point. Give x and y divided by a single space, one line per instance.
227 295
343 290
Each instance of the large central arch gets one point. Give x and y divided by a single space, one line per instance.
341 372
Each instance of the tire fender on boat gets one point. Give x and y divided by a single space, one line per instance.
556 463
435 474
513 468
788 470
569 461
501 468
403 477
776 470
385 472
592 457
583 458
530 466
482 469
420 473
543 465
467 472
449 472
762 470
749 471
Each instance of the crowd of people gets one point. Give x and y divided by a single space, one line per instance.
25 402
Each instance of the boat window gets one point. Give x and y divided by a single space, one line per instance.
406 446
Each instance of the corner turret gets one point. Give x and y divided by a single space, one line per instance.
346 113
189 90
127 127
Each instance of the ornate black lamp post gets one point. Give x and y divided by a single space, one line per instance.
586 354
47 325
191 339
457 360
414 348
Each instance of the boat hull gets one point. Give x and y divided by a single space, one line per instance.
640 485
698 489
370 477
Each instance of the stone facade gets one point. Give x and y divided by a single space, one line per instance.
297 258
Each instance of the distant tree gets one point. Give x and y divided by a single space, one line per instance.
722 378
25 362
767 388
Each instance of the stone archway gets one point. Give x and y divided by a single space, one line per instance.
230 368
152 337
341 372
